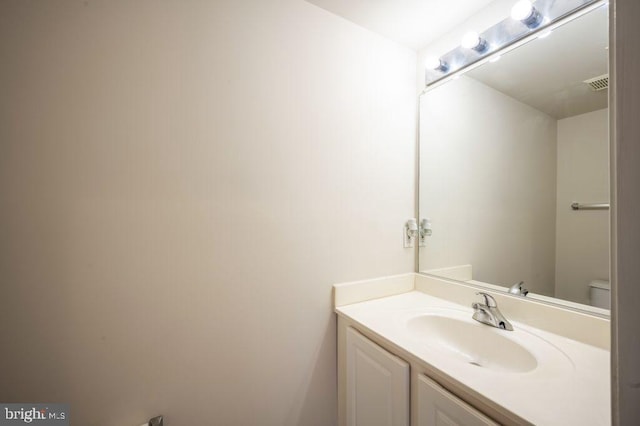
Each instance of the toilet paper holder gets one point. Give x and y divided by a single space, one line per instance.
156 421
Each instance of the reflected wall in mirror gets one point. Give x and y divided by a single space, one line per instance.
504 151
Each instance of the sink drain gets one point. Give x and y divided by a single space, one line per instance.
476 363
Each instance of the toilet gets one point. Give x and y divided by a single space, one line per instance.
599 293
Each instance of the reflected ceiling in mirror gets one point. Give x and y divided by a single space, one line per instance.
504 151
549 74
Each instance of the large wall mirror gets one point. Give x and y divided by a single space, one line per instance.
506 149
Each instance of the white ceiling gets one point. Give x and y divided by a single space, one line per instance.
413 23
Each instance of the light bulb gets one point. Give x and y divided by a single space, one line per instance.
472 40
521 10
432 63
524 12
435 63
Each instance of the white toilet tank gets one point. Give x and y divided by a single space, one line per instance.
599 294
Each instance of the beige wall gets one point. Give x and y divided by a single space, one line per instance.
582 237
625 193
488 184
181 184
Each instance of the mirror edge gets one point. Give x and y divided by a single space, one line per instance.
546 300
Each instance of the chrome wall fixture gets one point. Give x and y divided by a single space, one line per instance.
528 19
589 206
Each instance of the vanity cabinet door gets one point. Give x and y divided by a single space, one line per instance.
438 407
377 384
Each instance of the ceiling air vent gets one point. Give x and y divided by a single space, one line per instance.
598 83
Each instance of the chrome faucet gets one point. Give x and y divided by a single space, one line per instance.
489 314
518 288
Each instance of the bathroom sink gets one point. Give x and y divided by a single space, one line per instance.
473 343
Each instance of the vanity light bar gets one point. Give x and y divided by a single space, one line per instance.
509 33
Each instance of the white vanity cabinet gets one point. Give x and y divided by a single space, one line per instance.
377 381
378 391
438 407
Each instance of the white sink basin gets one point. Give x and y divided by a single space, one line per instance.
471 342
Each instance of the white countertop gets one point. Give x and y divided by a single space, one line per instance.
570 386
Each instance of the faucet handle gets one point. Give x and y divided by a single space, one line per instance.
488 299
